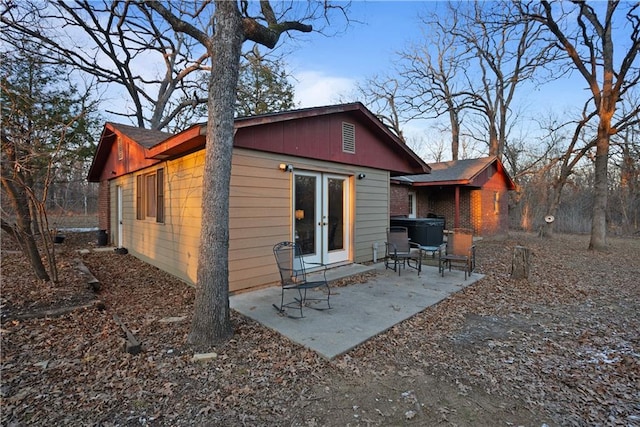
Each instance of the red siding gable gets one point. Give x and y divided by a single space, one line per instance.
314 133
320 138
114 163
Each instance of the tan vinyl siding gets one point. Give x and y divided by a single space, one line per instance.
259 215
179 237
370 210
172 245
372 214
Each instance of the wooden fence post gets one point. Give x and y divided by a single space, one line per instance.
520 263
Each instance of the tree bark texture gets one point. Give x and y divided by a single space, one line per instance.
520 265
22 231
211 319
595 62
454 120
599 221
211 322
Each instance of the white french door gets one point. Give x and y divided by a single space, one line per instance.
321 216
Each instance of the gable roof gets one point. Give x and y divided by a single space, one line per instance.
457 172
175 146
159 146
146 138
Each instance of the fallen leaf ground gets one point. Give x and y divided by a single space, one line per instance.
562 348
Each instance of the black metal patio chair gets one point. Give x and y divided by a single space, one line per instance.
294 277
400 251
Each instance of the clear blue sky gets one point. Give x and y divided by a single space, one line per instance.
327 66
326 69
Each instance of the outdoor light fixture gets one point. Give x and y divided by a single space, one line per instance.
299 214
285 167
361 176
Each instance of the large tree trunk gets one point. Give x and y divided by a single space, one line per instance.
30 249
455 132
22 231
599 221
494 143
548 228
211 319
606 108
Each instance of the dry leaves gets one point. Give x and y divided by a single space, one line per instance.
562 348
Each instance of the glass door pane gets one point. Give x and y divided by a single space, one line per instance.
335 194
336 218
321 216
305 213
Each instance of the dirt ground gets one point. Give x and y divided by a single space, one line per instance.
562 348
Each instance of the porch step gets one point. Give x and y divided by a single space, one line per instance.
342 272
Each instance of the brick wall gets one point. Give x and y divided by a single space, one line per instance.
495 207
423 207
477 206
478 210
443 202
467 203
104 206
494 218
399 200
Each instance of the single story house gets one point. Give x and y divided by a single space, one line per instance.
319 176
470 193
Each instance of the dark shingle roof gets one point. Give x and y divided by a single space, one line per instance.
455 170
145 137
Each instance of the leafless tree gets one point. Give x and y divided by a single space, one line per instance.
626 161
431 71
473 58
221 32
113 41
567 160
556 159
383 94
44 119
422 84
584 32
506 52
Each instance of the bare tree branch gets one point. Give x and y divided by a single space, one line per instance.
118 39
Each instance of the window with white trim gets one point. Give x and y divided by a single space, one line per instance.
150 196
412 204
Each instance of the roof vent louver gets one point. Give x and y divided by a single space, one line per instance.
348 138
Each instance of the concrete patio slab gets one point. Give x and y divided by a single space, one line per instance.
358 312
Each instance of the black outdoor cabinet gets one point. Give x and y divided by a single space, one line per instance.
425 231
